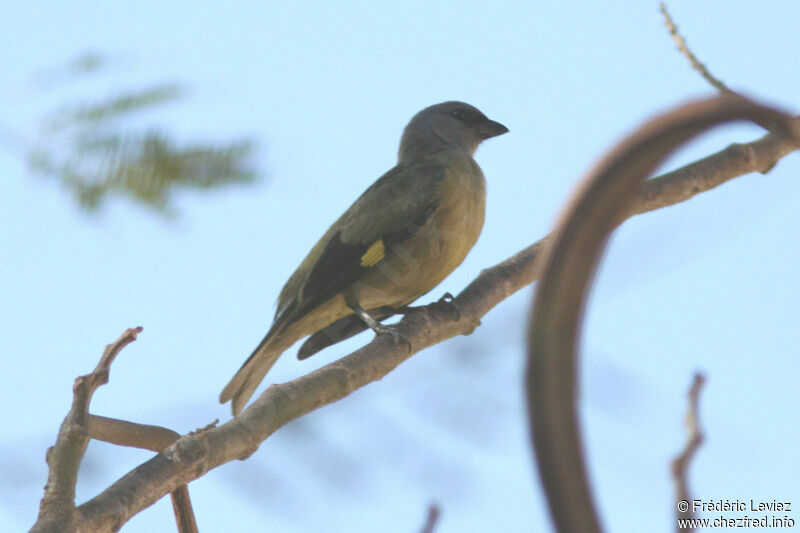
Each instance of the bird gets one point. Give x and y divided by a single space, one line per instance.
406 233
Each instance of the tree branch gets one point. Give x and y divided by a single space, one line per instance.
147 437
124 433
57 509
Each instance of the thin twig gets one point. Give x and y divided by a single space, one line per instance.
680 465
688 54
696 64
434 512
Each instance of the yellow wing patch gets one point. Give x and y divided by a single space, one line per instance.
374 253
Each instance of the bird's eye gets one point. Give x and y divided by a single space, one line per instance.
457 114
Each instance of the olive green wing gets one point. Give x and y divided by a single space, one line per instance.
388 212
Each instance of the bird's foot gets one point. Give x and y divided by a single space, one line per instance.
394 332
380 329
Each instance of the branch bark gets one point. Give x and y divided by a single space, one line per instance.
193 455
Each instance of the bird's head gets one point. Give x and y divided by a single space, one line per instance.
447 125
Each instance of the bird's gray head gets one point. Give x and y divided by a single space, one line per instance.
445 126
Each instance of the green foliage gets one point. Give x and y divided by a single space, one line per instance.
96 114
91 149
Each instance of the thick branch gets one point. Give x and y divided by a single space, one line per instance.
194 455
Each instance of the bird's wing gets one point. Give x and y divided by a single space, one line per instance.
386 213
342 329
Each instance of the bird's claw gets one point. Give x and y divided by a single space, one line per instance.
393 332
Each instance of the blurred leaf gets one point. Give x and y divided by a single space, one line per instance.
81 65
115 106
89 148
87 63
146 168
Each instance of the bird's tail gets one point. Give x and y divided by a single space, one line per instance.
244 383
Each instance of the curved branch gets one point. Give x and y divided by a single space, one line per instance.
602 201
193 455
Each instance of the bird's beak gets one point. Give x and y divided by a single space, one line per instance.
490 129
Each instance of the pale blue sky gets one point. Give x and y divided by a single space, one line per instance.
711 284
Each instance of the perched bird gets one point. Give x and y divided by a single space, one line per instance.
405 234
